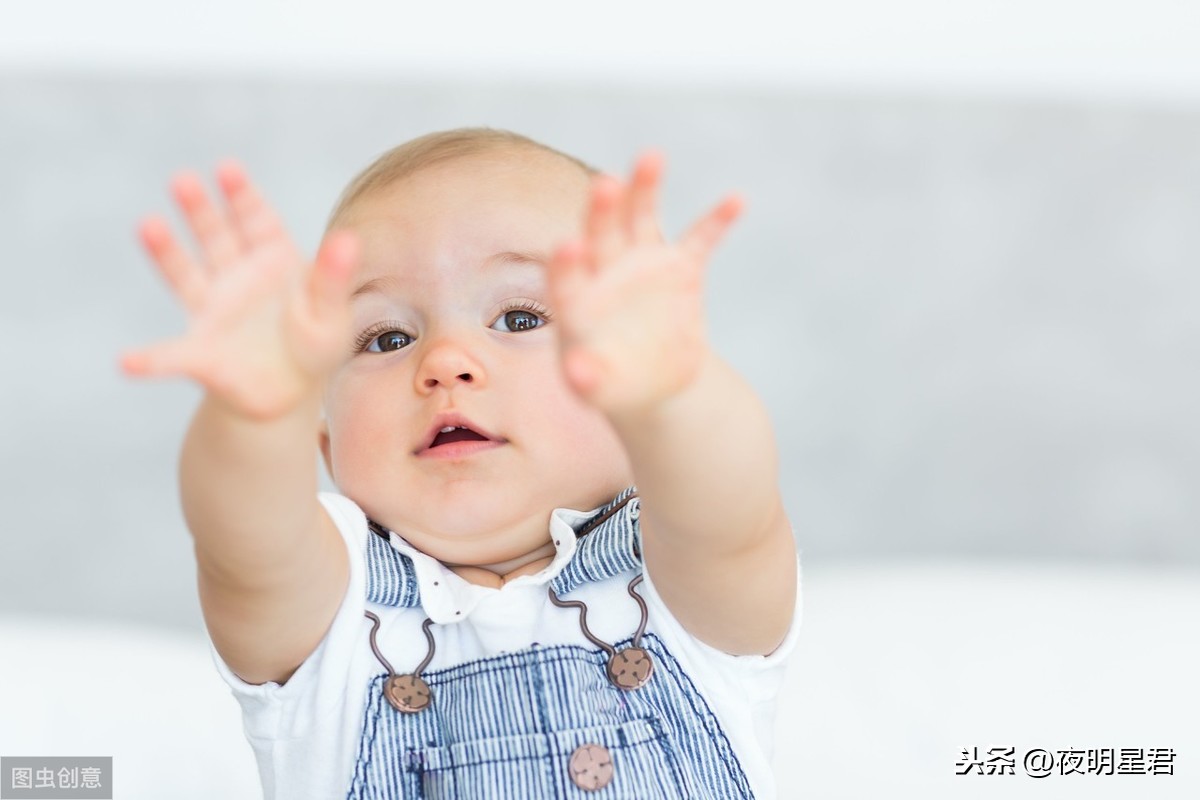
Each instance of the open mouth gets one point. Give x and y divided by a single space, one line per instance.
453 435
456 433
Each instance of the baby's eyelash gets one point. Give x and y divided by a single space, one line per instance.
528 305
364 339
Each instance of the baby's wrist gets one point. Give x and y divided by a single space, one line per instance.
265 410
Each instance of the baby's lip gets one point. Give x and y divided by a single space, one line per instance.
447 418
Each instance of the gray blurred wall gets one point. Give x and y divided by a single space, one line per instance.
974 320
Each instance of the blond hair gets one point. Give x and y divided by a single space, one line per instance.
436 148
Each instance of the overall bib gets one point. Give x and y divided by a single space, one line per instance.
621 720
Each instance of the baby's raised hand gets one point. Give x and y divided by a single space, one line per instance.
264 325
629 305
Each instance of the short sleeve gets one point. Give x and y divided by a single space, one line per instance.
318 687
782 652
743 689
760 675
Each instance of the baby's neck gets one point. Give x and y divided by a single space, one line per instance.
495 576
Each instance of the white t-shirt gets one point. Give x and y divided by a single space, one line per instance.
305 733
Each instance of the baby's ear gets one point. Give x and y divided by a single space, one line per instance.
323 443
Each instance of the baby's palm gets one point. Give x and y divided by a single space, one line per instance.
264 327
630 304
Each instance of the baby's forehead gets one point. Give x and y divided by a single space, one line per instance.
507 267
517 221
494 262
521 173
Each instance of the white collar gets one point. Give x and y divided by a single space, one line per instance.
448 598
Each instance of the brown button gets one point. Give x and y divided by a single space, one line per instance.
591 767
630 668
407 693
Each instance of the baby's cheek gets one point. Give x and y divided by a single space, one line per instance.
586 437
362 431
569 413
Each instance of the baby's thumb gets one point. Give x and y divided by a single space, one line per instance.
582 372
164 359
329 283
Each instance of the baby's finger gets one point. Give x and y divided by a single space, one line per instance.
643 222
567 278
583 371
255 219
605 221
218 241
162 360
709 229
328 287
183 276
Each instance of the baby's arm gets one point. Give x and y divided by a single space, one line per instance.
264 329
715 535
271 567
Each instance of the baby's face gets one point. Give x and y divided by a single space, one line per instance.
448 324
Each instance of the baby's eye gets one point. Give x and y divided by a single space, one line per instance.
525 317
386 341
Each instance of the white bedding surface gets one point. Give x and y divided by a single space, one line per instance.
901 666
148 697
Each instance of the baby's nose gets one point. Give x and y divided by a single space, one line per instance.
449 363
465 377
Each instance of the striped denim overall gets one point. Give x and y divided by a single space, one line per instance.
557 721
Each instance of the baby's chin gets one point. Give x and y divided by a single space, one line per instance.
481 548
469 533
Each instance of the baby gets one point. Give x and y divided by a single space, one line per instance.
557 561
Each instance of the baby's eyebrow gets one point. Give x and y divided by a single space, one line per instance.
505 258
517 257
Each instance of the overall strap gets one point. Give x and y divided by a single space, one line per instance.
391 576
608 543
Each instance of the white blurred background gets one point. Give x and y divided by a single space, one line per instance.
966 285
